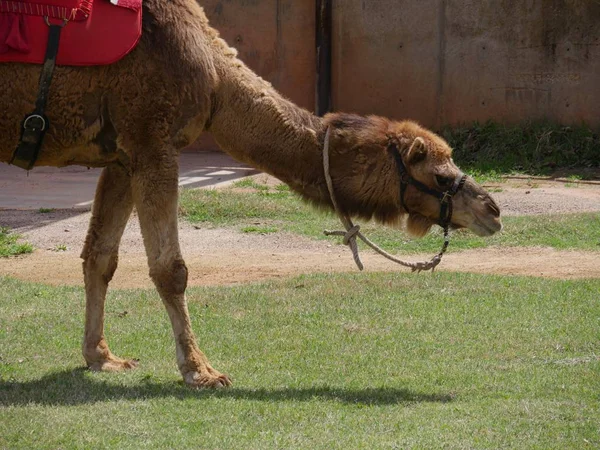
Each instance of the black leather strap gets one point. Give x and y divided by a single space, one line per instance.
35 125
445 197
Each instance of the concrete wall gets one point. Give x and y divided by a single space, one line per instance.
437 61
452 61
275 38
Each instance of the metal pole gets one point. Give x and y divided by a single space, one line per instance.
323 40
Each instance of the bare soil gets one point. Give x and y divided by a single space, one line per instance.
217 256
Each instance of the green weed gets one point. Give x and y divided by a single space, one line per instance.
537 148
9 245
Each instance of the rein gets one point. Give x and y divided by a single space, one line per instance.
353 231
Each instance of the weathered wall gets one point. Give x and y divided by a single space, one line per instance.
437 61
451 61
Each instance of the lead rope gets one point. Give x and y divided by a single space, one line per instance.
353 231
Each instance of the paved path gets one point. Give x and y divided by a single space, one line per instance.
74 187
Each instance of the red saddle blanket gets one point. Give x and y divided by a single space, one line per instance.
97 32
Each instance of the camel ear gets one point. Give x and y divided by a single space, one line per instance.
417 151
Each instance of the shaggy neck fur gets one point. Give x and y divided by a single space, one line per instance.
255 124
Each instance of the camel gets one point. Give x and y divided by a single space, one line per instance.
132 117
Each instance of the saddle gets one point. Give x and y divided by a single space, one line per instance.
97 32
64 32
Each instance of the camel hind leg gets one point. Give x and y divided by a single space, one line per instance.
155 190
112 207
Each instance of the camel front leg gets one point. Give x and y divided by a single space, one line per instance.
155 188
112 207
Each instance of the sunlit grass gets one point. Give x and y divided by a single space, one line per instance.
327 361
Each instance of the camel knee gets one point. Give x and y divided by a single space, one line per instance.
170 278
100 264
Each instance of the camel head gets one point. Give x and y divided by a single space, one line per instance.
394 170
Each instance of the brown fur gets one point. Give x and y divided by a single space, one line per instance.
132 118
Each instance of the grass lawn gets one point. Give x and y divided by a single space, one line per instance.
345 361
258 208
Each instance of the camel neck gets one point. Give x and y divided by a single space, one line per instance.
255 124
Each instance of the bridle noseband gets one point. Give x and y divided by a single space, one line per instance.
445 197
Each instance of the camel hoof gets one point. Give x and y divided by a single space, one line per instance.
210 380
113 365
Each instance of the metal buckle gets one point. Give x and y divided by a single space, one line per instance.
62 25
35 116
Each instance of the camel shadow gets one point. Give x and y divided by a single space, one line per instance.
71 190
23 221
78 387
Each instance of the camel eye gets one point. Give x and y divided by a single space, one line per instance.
443 181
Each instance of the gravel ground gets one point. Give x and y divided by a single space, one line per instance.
224 256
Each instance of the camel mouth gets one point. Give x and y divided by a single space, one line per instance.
486 228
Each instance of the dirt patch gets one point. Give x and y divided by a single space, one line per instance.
224 256
243 266
528 196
